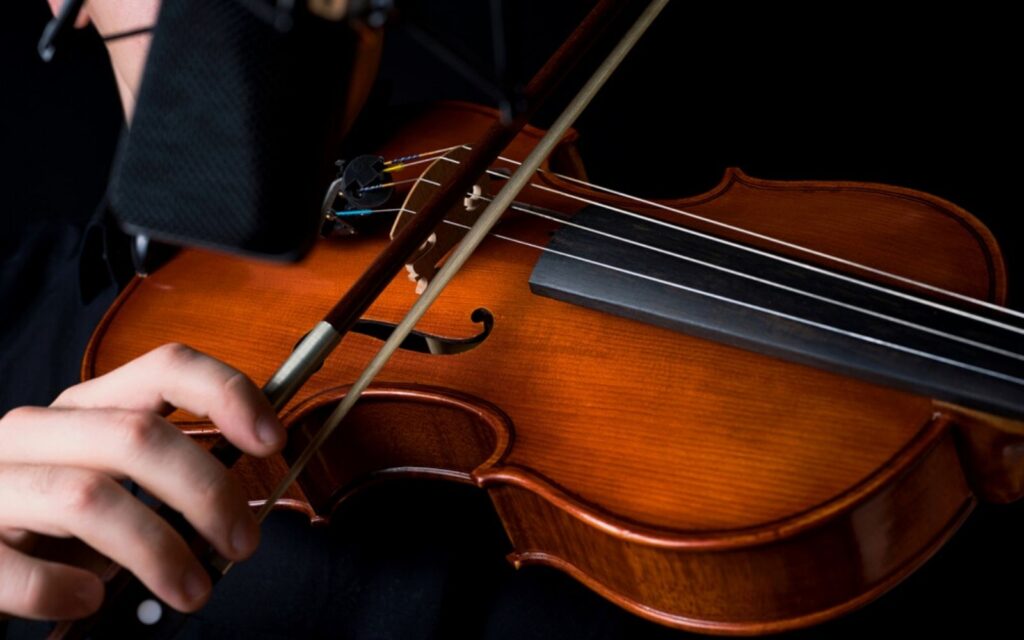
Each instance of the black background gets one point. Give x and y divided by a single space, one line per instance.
923 101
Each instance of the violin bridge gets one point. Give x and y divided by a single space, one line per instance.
424 264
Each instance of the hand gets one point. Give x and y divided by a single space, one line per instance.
60 467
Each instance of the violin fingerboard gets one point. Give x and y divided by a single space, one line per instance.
745 297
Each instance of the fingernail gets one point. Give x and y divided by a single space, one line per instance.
269 431
244 538
195 585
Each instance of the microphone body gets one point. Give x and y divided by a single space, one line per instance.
235 129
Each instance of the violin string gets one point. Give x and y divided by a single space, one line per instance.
422 154
796 263
765 281
825 299
780 314
351 213
402 162
385 185
783 243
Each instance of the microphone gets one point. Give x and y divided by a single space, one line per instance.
235 128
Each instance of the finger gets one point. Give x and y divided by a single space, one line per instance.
146 448
182 377
33 588
19 539
64 501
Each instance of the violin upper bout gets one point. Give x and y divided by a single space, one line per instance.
906 232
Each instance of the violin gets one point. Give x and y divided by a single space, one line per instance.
570 479
699 484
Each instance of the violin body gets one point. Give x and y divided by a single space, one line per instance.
699 485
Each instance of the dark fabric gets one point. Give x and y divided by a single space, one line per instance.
55 286
58 127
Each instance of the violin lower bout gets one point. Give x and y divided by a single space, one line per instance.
759 580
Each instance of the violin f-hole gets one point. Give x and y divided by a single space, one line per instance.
422 342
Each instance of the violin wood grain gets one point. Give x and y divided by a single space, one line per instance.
697 484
